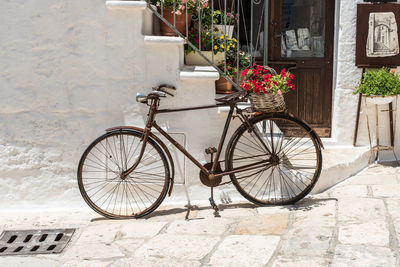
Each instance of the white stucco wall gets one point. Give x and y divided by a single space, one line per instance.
70 69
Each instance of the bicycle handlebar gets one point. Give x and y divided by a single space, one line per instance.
161 91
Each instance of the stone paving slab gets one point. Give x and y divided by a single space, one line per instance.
212 226
153 261
300 261
371 179
360 209
307 241
369 233
244 250
366 256
183 247
386 190
27 261
356 223
349 191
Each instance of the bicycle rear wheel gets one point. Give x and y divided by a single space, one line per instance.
290 160
102 186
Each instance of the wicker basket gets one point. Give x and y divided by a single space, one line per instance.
267 103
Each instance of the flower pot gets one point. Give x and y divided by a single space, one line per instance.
379 100
223 86
194 58
223 31
180 22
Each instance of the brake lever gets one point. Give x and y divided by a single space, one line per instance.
164 88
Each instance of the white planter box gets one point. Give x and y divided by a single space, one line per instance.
229 30
194 58
379 100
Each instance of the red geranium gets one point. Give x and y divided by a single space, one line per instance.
259 80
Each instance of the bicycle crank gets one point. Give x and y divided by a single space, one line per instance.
205 179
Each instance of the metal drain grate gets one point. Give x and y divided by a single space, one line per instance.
28 242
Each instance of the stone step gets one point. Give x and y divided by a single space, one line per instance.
126 5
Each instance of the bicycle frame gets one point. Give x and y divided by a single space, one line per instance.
151 123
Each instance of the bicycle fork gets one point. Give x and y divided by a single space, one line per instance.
146 134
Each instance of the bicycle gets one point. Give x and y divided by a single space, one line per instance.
128 171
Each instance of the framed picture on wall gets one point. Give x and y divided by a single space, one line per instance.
378 35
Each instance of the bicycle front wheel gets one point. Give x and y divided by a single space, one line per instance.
109 193
284 155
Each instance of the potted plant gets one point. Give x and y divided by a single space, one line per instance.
175 12
266 87
225 22
223 86
380 86
213 51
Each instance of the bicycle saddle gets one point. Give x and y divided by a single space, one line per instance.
233 98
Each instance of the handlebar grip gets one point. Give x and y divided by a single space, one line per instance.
141 98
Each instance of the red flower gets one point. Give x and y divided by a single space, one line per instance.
263 90
265 71
255 72
245 86
291 76
260 68
292 86
244 72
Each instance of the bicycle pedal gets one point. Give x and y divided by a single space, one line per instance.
211 150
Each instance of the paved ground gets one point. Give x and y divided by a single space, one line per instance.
357 223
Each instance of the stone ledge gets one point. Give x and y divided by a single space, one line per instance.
163 40
141 5
199 72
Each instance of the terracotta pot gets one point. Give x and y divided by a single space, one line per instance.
223 86
180 22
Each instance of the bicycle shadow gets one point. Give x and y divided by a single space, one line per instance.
306 204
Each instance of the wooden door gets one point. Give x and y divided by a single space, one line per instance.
301 34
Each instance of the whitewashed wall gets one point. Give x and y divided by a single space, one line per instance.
70 69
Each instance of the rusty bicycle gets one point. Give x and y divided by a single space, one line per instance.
128 171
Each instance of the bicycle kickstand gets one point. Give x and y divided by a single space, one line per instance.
212 203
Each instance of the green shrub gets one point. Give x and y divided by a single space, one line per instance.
381 82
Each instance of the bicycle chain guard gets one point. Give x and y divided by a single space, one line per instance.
206 180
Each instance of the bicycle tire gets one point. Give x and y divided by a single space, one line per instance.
100 169
293 163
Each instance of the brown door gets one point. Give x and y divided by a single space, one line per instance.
301 37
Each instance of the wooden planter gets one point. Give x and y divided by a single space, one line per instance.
223 86
180 22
